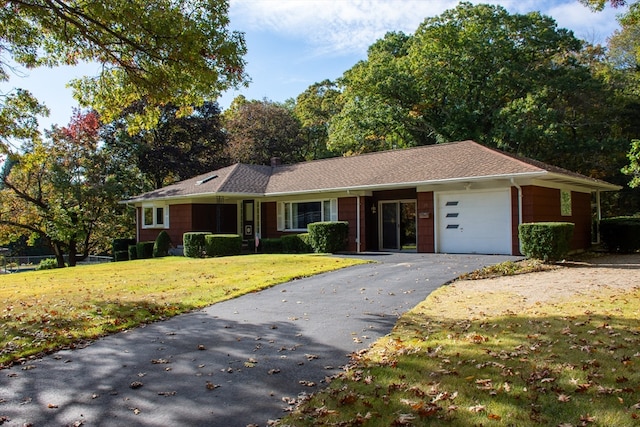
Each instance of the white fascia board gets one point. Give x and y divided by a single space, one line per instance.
188 197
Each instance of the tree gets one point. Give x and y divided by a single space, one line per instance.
314 108
65 190
160 51
377 103
176 149
260 130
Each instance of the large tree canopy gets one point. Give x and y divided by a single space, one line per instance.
159 51
260 130
176 148
65 190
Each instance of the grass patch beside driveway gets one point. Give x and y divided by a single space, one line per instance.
556 348
42 311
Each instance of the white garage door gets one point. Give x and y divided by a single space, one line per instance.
474 222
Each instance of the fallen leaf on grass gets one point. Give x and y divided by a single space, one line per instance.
564 398
477 408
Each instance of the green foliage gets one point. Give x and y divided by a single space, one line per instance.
195 244
133 252
621 234
178 52
47 264
122 255
144 250
260 130
122 244
223 244
328 237
633 168
271 246
296 244
548 241
162 245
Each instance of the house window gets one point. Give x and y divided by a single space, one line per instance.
565 202
298 215
155 217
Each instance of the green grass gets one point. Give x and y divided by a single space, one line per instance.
42 311
506 363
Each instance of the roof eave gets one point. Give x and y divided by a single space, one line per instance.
190 196
372 187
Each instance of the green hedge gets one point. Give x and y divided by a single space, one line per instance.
121 255
621 234
271 245
328 237
144 250
296 244
162 245
223 244
195 244
548 241
133 252
121 245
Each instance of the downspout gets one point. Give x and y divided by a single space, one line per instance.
515 184
358 223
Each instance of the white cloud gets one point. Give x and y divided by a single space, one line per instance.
347 27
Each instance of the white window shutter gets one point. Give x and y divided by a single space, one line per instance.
166 216
280 216
334 209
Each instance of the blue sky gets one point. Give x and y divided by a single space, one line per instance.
295 43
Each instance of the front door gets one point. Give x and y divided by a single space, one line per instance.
398 225
248 223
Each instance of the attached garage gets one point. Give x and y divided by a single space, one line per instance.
474 222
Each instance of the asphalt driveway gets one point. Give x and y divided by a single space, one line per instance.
236 363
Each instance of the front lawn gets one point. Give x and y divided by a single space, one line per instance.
496 358
42 311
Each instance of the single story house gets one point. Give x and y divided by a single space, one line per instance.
459 197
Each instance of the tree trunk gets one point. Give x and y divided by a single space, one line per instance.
57 249
73 249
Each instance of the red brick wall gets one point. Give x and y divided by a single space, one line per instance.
426 234
179 223
347 211
542 204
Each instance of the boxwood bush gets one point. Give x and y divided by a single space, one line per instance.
548 241
223 244
328 237
621 234
162 245
296 244
121 245
195 244
144 250
133 252
271 245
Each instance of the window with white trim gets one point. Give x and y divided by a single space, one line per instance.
155 216
296 216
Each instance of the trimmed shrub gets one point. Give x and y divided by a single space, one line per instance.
144 250
133 252
121 245
195 244
47 264
223 244
621 234
328 237
162 245
121 255
548 241
271 246
296 244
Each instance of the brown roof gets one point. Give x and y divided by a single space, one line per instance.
456 161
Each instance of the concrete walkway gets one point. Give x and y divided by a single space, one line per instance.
236 363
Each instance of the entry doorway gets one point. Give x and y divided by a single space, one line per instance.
398 225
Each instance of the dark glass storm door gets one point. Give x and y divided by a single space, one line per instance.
398 225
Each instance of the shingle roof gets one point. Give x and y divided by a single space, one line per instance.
464 160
